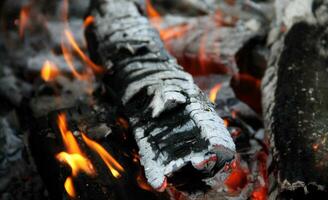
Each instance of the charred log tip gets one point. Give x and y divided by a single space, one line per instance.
201 171
301 190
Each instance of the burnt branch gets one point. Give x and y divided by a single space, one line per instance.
174 124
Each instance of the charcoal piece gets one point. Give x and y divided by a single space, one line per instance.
295 105
14 90
172 121
18 178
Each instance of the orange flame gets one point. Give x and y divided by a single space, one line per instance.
23 20
151 11
69 60
74 158
214 92
88 21
69 187
111 163
49 71
78 50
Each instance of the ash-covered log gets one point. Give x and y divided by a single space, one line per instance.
181 140
295 102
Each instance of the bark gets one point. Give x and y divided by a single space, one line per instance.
295 106
176 128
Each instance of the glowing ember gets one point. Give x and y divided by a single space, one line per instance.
142 183
82 55
69 187
214 92
259 194
88 21
74 158
111 163
23 20
49 71
315 147
237 180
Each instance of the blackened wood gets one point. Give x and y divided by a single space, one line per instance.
295 106
174 124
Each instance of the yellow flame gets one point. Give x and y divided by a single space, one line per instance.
49 71
77 162
69 187
213 93
111 163
73 157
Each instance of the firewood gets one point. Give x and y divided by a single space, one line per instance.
294 102
174 124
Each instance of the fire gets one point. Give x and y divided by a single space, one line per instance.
111 163
49 71
259 194
69 187
151 11
77 162
88 21
23 20
214 91
73 157
77 49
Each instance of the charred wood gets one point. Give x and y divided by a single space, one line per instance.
175 126
295 103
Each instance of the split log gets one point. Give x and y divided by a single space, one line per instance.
295 102
176 128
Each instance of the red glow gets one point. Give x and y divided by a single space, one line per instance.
259 194
237 180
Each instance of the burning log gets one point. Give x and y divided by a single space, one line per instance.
176 128
216 43
294 102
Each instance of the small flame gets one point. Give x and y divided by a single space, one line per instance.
82 55
315 147
111 163
68 138
69 187
151 11
214 92
69 60
73 157
77 162
49 71
88 21
23 20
